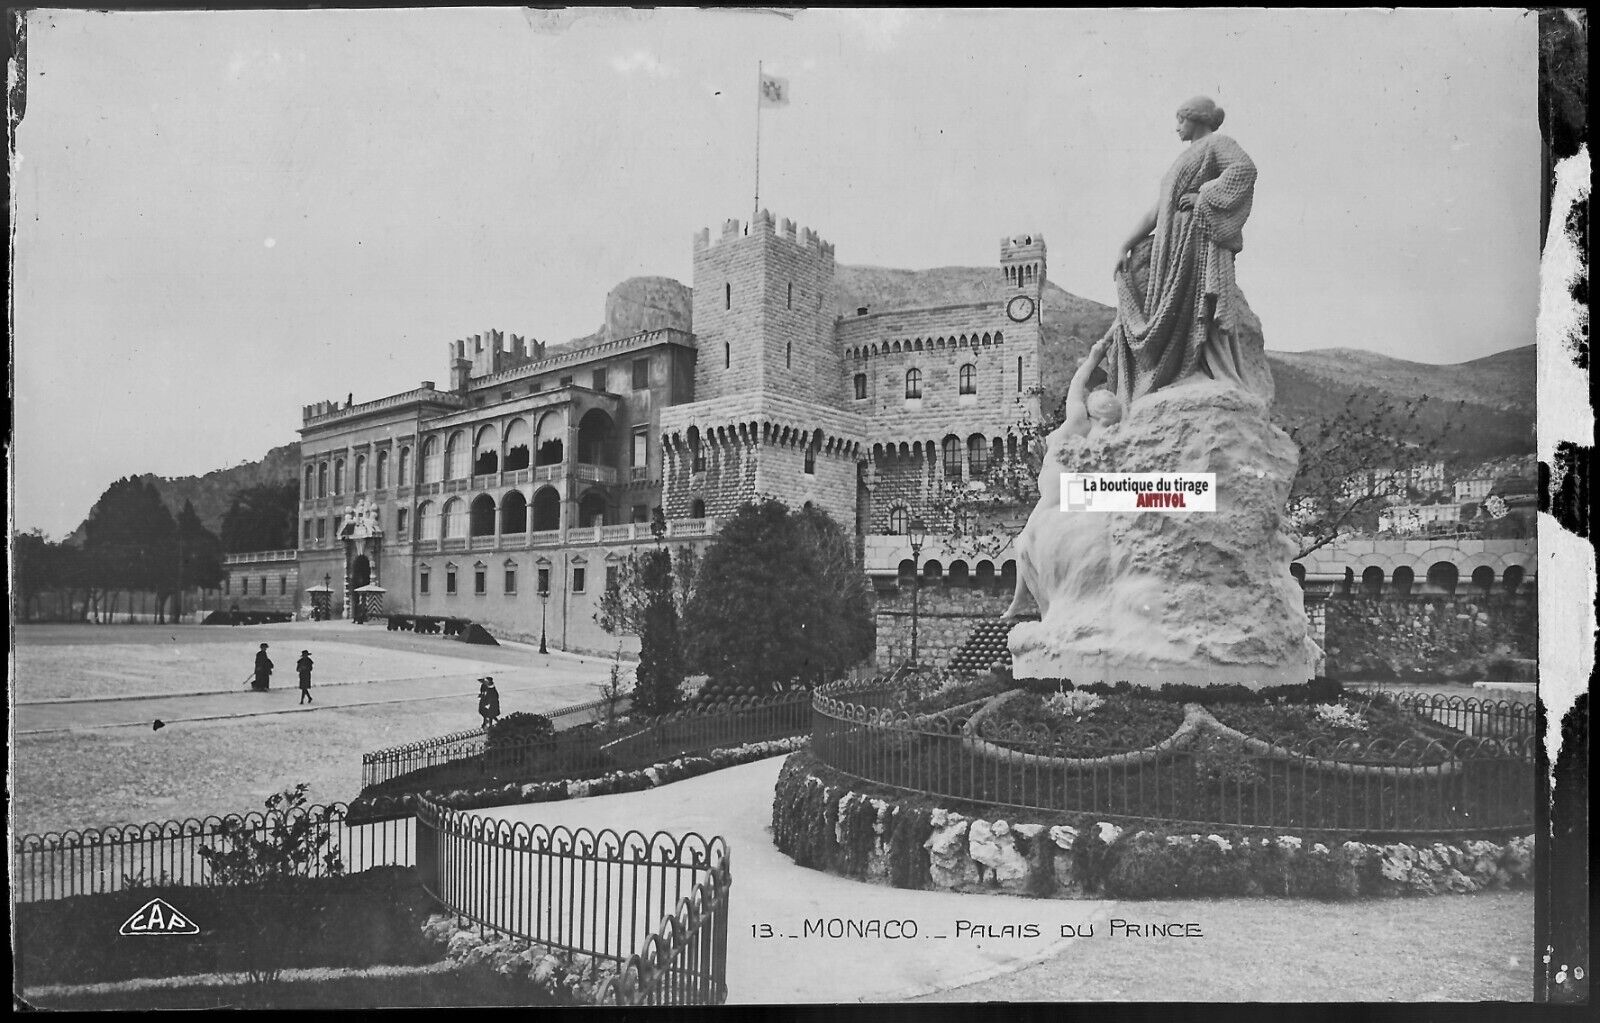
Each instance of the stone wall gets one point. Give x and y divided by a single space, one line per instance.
1438 637
946 615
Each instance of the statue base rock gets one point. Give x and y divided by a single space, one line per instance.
1151 597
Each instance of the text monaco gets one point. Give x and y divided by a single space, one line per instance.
897 930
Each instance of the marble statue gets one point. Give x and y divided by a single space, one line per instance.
1156 596
1179 309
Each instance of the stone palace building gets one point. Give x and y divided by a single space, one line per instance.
512 494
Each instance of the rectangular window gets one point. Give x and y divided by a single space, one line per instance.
322 525
566 381
308 529
338 520
544 580
283 585
422 582
613 578
511 580
480 582
641 513
727 296
505 395
788 303
641 374
450 580
641 447
1019 372
598 380
227 584
577 580
244 586
263 586
861 386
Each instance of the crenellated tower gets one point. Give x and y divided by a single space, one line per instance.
763 312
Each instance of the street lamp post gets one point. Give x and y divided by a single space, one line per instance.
327 596
917 532
544 613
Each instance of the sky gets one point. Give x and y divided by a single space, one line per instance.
222 216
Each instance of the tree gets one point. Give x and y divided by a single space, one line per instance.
1352 461
130 540
646 601
32 570
199 555
262 518
780 598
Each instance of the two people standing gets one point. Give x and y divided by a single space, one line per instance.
263 673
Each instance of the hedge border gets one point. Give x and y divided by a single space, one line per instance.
819 821
369 809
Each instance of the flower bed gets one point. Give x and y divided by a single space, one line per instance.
1117 721
823 820
1362 720
367 808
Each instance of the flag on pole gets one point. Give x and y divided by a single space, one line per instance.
774 91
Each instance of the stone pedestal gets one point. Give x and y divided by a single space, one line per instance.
1152 597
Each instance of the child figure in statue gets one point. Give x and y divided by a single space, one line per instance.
1087 413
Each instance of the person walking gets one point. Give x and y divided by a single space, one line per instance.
263 669
303 666
488 701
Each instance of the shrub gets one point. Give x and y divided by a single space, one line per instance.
520 727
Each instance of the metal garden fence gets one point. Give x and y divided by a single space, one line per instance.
657 905
58 865
1204 775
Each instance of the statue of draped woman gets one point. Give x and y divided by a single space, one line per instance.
1178 307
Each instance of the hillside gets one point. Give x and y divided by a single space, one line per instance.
213 492
1496 421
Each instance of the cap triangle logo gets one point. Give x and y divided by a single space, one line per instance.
158 917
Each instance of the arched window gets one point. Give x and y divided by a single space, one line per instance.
486 452
1403 579
454 524
952 457
1513 578
519 445
913 383
381 482
546 510
311 482
1372 580
455 463
338 475
551 450
402 478
978 454
481 517
897 520
1442 577
322 480
1483 579
361 474
969 379
432 465
427 521
513 513
697 456
811 457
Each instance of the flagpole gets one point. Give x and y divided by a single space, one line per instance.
758 142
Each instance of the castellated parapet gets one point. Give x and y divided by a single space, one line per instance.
490 352
763 312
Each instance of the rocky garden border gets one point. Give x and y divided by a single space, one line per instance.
820 821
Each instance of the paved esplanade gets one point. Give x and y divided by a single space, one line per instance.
769 890
526 679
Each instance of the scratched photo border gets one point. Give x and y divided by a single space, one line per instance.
1564 454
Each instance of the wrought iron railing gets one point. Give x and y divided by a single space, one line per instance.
1444 781
657 905
58 865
